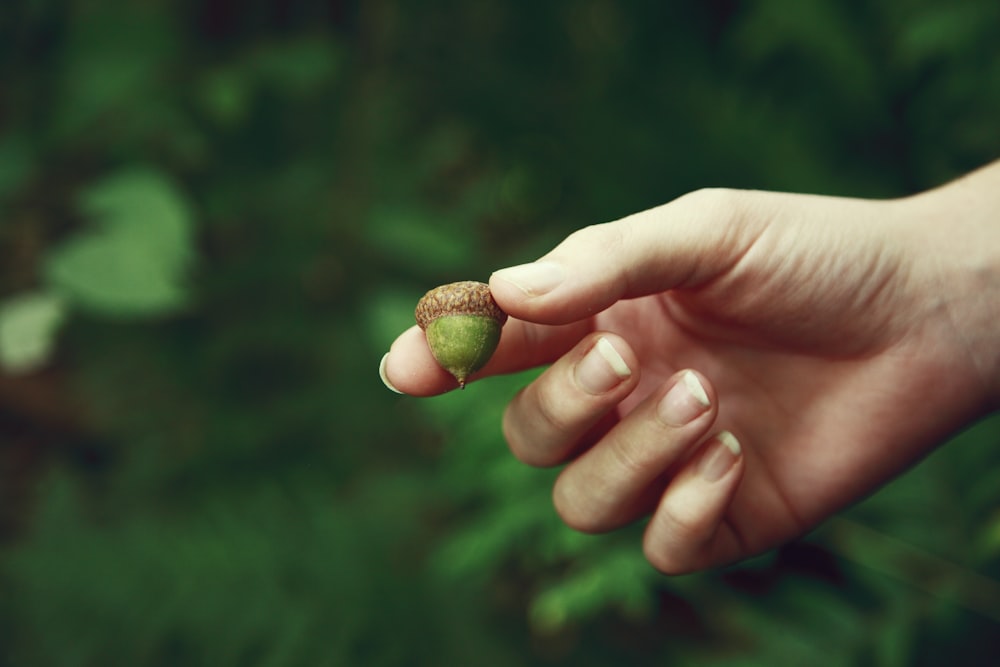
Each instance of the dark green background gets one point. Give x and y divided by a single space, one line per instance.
233 207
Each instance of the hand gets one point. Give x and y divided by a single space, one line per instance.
741 365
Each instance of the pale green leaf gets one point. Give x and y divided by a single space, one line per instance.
143 202
115 274
28 326
134 259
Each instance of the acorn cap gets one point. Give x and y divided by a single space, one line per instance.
462 323
462 298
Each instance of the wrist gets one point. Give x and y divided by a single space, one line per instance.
958 232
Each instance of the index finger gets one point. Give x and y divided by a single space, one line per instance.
409 367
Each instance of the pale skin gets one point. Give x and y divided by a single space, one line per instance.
818 346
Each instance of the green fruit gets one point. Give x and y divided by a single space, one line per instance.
462 324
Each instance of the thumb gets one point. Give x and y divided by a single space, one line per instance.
682 244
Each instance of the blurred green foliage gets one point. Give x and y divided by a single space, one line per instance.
216 215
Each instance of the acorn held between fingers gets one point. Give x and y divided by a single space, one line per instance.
462 324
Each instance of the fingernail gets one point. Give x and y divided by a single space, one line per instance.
685 401
383 376
720 455
601 369
533 279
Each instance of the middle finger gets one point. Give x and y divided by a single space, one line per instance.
607 486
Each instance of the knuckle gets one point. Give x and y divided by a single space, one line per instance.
614 236
686 526
513 433
534 431
608 237
551 405
716 199
587 234
731 208
573 509
673 541
630 459
665 561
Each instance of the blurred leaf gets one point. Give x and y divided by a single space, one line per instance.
616 579
420 241
801 623
283 575
298 66
988 546
818 36
16 165
950 584
894 635
112 62
226 95
941 31
507 531
292 68
28 326
134 259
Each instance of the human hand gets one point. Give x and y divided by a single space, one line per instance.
741 365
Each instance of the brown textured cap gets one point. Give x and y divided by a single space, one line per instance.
462 298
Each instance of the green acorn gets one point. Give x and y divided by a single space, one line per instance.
462 324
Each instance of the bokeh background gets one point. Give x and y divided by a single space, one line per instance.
216 215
